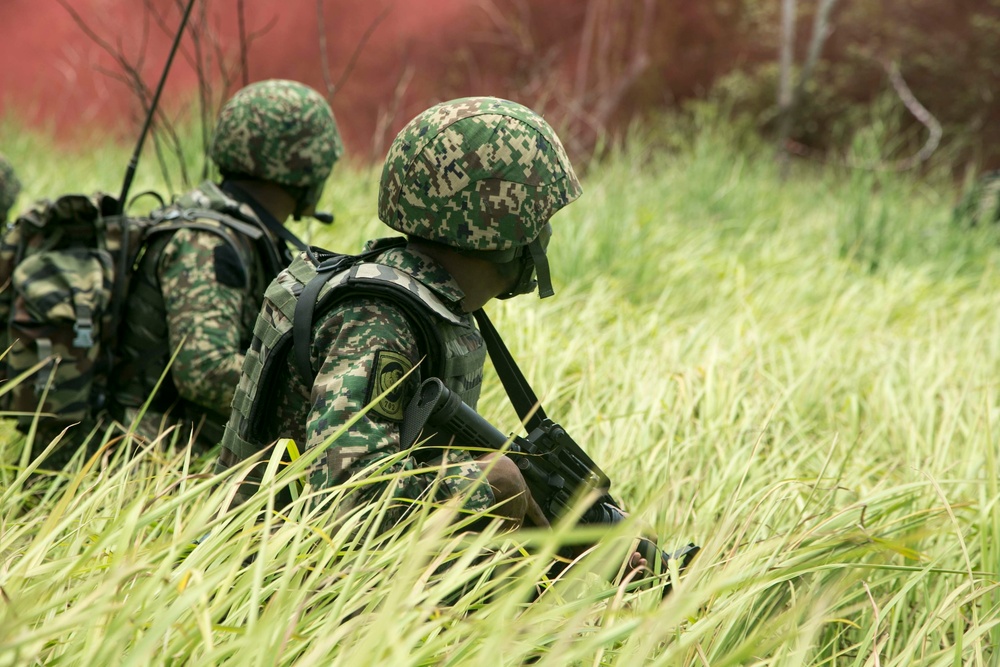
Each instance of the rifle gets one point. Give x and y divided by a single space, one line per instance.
555 467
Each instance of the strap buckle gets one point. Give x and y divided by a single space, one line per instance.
84 334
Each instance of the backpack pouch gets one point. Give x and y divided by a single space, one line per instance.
60 300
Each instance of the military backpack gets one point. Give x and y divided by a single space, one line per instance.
65 268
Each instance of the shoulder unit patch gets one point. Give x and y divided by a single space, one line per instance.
387 370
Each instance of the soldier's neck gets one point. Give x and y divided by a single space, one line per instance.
271 196
479 279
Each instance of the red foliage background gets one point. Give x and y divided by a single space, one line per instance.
419 52
589 65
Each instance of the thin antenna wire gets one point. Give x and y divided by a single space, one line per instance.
134 162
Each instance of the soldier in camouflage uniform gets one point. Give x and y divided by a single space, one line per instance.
472 183
9 188
197 290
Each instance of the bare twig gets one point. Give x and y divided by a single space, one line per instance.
603 61
387 118
244 46
923 116
149 6
226 72
360 47
612 53
161 159
790 98
820 32
583 58
324 53
131 77
916 109
263 30
515 34
788 8
611 95
92 35
196 34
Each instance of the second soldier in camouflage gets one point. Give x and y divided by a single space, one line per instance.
197 290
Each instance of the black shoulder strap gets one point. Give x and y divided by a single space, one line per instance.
514 383
305 307
309 306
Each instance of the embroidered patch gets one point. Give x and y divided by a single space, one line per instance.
388 369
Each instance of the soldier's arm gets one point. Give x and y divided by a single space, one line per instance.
358 353
361 353
204 291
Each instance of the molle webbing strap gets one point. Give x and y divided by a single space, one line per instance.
514 383
238 446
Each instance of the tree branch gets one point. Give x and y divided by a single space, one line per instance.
244 46
360 47
923 116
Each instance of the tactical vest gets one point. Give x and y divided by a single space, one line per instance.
145 342
453 347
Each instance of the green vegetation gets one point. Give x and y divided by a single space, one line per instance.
799 376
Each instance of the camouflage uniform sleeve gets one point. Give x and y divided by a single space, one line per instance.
360 345
206 315
361 351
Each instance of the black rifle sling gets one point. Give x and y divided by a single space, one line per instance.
521 396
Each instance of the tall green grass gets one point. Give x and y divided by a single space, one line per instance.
800 376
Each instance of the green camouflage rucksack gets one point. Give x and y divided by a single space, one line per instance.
65 267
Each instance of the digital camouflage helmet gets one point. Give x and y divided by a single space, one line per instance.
9 187
279 131
483 175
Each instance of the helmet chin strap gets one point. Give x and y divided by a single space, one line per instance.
534 272
541 263
307 198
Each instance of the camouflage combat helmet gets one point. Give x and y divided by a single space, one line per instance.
479 174
280 131
9 187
